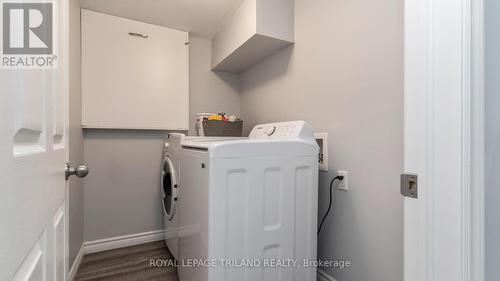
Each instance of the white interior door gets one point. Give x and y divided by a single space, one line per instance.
440 241
33 151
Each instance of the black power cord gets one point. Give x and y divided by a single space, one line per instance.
340 178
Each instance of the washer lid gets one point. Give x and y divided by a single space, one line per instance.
205 142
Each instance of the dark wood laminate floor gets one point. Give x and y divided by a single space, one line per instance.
127 264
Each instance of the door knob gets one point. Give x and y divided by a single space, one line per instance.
80 171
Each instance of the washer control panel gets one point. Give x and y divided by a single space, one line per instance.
270 130
283 130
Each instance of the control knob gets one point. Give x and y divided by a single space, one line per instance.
269 131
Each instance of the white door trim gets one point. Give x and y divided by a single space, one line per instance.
444 228
478 142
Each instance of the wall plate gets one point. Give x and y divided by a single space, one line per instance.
322 140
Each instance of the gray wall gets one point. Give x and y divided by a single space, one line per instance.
75 196
345 76
122 193
209 91
492 117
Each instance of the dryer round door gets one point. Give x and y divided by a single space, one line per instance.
169 188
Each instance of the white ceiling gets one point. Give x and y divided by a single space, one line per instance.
200 17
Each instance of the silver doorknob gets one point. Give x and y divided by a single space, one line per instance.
80 171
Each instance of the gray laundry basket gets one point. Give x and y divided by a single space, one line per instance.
215 128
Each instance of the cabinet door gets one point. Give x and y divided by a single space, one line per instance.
135 75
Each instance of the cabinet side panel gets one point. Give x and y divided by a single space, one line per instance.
276 19
236 31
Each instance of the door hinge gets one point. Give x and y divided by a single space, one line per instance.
409 185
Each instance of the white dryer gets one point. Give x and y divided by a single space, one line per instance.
170 183
253 198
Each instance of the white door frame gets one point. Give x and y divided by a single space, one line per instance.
444 140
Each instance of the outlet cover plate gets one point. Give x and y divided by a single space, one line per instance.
322 140
344 184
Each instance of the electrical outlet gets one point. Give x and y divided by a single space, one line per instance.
344 184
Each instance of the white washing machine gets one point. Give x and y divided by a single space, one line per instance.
171 189
170 184
253 198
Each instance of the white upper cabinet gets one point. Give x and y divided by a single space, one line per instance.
255 31
135 75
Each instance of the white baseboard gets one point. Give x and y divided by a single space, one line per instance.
123 241
76 263
323 276
111 244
